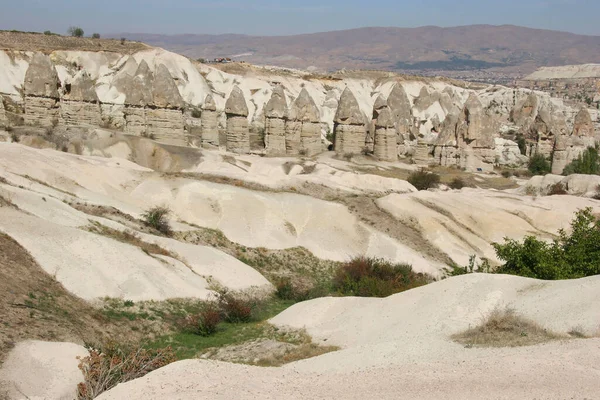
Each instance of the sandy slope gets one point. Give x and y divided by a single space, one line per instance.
399 348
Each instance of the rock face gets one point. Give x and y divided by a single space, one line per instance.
568 147
236 110
302 128
165 119
41 92
210 125
401 111
425 99
583 125
349 126
380 105
3 121
467 139
80 104
275 114
385 147
524 113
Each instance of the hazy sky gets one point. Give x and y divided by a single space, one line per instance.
267 17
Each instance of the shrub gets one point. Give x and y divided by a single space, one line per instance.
123 40
75 31
196 113
522 143
568 257
588 163
423 180
457 184
287 290
373 277
471 268
95 36
235 308
557 189
539 165
156 217
507 174
111 364
48 33
206 322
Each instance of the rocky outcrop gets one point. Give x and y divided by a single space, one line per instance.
524 113
236 110
210 125
446 146
41 92
385 146
583 125
380 104
302 127
425 99
3 121
165 117
275 114
349 126
80 104
401 109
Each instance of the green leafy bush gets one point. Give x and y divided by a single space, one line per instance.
570 256
588 163
75 31
539 165
373 277
156 217
423 180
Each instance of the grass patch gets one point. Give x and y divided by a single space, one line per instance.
505 328
129 237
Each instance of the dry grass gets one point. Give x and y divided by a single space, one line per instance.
505 328
131 238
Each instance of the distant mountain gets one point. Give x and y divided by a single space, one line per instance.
476 47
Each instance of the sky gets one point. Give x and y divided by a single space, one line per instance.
267 17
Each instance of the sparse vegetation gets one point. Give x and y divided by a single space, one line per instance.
557 189
471 268
157 218
588 163
457 184
424 180
111 364
570 256
75 31
372 277
539 165
505 328
196 113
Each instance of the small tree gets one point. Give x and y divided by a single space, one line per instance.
423 180
96 36
588 163
156 217
539 165
123 40
75 31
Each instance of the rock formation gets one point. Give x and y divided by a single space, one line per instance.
41 92
165 118
236 110
401 111
568 147
583 125
380 104
524 113
385 147
446 146
3 121
275 114
80 104
349 126
302 127
210 125
425 99
137 96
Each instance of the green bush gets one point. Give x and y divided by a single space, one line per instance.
95 36
539 165
373 277
588 163
471 268
571 256
75 31
236 308
522 143
156 217
423 180
206 322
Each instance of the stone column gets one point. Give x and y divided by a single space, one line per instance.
165 119
236 110
349 126
385 136
210 125
275 113
41 92
80 104
401 111
302 128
